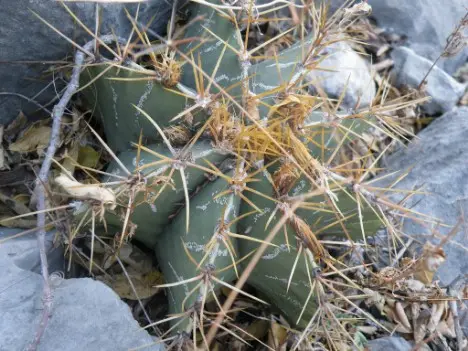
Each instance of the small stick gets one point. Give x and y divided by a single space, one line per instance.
452 39
42 179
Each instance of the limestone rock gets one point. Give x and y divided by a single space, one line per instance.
411 68
86 315
23 37
438 157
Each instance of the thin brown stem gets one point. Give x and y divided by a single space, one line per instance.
42 179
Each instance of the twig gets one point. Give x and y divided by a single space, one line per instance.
42 179
452 40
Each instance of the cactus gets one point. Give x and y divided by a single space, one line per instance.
205 251
251 155
122 122
165 185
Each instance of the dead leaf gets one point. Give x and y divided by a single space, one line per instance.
436 316
277 336
401 315
464 99
13 204
256 330
446 330
226 291
22 223
144 284
22 199
367 329
432 258
88 157
414 285
87 191
35 138
15 126
70 157
360 9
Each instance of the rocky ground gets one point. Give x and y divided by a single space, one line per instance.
404 38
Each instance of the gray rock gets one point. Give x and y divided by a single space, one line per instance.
389 343
86 315
439 160
23 37
23 250
350 71
411 68
425 23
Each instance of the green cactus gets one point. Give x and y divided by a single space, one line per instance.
206 243
114 101
272 273
166 93
215 49
164 191
283 149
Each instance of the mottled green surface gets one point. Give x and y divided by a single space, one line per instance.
273 73
112 100
271 274
229 68
205 215
152 220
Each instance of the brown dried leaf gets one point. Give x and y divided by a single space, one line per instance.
446 330
436 316
401 316
22 223
15 126
88 157
258 329
359 9
18 204
70 157
464 99
456 43
414 285
35 138
431 260
144 284
277 336
87 191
